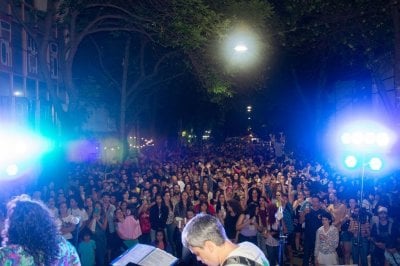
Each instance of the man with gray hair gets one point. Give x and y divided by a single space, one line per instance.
205 237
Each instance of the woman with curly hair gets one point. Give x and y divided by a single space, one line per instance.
31 236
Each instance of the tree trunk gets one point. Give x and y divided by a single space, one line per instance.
122 122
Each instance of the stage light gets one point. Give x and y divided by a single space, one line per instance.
346 138
375 164
382 139
12 170
369 138
21 147
357 138
351 161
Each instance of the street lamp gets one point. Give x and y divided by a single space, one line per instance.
242 48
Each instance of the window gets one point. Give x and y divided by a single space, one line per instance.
5 30
5 39
32 52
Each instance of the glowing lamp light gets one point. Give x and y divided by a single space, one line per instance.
12 170
18 93
350 161
241 48
375 164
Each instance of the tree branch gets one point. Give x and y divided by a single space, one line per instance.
121 9
101 62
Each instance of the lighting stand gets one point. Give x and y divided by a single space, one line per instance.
282 238
359 212
282 242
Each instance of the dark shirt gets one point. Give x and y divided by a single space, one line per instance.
158 217
230 225
382 233
312 223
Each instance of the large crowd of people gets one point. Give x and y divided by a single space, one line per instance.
288 205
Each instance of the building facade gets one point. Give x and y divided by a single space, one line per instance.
24 96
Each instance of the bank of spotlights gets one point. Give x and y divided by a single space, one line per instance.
380 139
374 163
366 144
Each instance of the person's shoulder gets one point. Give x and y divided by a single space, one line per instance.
67 254
334 228
15 255
247 244
249 251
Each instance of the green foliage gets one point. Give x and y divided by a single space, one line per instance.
351 30
220 91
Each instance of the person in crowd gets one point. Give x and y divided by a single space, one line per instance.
145 225
161 241
392 254
381 232
287 223
234 210
128 228
271 234
31 236
221 207
124 207
87 249
359 227
312 219
262 222
68 223
326 242
298 227
51 204
254 198
247 225
205 237
98 225
338 211
112 238
76 209
345 236
182 252
170 223
89 207
158 216
182 205
203 199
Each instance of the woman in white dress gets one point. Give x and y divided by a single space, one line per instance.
327 240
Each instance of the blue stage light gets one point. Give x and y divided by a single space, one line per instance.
12 170
351 161
375 163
